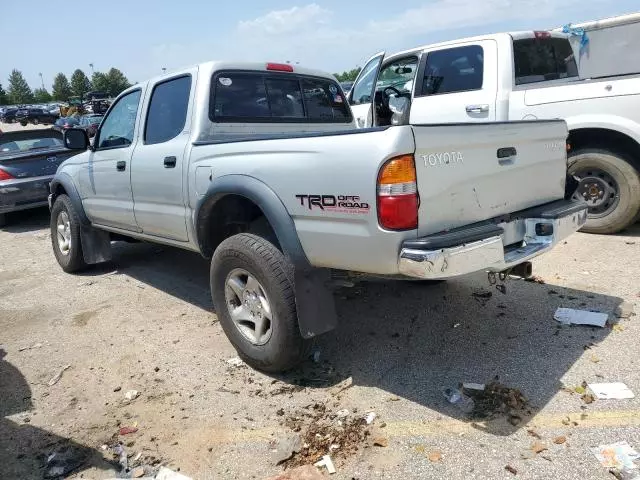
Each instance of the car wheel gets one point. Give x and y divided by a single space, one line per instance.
65 235
3 219
253 293
610 185
24 124
35 121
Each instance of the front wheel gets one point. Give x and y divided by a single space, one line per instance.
253 294
65 235
609 185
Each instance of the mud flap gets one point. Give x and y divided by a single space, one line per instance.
314 302
96 245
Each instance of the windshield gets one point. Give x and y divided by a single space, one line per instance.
398 74
13 146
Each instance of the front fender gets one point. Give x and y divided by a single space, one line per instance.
314 301
64 180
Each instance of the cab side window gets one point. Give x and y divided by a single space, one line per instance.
168 107
451 70
118 126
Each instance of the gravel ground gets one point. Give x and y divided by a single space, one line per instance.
145 321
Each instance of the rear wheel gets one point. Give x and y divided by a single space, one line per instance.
253 293
35 121
65 235
609 185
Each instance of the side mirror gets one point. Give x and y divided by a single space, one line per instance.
75 139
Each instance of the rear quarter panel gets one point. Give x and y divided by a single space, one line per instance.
309 175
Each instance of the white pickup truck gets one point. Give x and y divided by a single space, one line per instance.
521 76
260 168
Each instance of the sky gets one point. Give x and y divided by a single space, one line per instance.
140 37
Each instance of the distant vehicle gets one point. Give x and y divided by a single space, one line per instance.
64 123
35 116
90 124
96 96
346 86
28 161
9 115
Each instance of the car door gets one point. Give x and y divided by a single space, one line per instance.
456 84
362 93
106 187
158 167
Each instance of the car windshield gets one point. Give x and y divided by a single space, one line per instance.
15 146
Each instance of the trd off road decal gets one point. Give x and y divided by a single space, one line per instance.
334 203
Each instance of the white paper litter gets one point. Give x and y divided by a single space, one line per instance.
617 455
327 463
473 386
611 391
570 316
370 417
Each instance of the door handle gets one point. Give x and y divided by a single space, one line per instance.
169 162
506 155
121 166
477 108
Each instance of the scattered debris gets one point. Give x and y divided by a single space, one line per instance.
380 442
588 398
482 296
127 430
344 413
560 440
117 389
167 474
370 417
56 378
498 399
611 391
535 279
511 470
570 316
534 434
624 310
306 472
64 460
618 455
474 386
121 453
131 395
459 399
137 472
435 456
235 362
286 448
327 463
32 347
537 447
594 358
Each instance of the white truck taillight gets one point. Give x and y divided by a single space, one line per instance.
398 194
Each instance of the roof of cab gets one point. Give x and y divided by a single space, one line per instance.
208 68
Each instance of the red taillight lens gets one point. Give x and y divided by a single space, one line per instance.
279 67
5 176
398 194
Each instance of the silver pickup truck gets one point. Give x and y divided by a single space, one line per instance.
261 169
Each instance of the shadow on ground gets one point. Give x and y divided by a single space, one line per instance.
27 220
413 339
28 452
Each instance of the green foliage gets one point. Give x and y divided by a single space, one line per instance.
40 95
116 82
61 89
99 82
19 90
348 76
3 96
80 84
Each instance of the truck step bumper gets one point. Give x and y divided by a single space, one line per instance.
492 246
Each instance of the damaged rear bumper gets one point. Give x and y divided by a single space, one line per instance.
493 246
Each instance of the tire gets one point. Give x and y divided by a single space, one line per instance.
24 124
607 168
72 260
3 219
284 347
35 121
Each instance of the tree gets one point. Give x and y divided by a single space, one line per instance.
61 89
348 76
40 95
117 82
100 82
80 84
19 90
3 96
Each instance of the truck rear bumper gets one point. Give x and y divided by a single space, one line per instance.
492 246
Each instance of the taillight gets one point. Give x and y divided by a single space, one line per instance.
398 194
279 67
5 176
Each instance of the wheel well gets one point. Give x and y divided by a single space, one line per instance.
227 216
605 139
58 191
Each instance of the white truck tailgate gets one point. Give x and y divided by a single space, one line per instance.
472 172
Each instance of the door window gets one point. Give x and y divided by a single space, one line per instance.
168 107
543 59
459 69
119 124
362 90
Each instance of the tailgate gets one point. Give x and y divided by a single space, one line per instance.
472 172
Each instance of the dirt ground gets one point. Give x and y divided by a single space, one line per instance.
145 322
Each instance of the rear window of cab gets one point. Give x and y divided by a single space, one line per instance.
256 97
